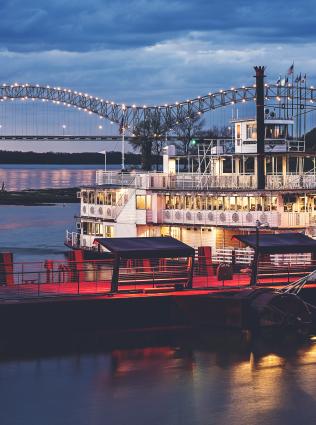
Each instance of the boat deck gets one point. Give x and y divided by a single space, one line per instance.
201 285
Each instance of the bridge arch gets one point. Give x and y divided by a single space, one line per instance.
169 114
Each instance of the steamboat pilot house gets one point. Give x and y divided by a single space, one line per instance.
205 199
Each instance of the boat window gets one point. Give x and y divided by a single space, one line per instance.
249 165
141 202
238 131
188 202
274 203
276 131
148 202
108 231
100 198
251 131
99 229
252 203
84 197
220 203
168 202
91 197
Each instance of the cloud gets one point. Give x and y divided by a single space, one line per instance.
152 52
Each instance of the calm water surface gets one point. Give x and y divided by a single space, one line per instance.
35 233
201 380
24 176
169 384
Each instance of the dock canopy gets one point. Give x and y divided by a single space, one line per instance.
147 248
282 243
151 247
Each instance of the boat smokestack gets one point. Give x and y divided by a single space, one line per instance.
260 126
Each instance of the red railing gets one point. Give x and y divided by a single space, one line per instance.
61 278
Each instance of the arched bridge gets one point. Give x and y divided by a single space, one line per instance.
168 115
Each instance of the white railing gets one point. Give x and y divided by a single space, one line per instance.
196 181
292 181
181 181
233 255
72 239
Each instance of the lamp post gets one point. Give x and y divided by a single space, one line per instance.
104 153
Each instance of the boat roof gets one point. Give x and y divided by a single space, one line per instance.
146 247
282 243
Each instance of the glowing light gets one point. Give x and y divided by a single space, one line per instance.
100 127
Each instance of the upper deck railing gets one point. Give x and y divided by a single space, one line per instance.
197 181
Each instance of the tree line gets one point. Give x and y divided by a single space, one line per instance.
112 157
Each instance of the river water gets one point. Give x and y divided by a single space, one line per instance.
199 379
39 176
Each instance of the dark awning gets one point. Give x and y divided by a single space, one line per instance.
155 247
282 243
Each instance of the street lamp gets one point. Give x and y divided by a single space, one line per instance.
254 273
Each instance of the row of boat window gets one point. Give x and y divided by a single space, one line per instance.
97 229
291 203
99 198
230 203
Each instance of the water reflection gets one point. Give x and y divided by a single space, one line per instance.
19 177
186 379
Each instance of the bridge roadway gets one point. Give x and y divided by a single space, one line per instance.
69 138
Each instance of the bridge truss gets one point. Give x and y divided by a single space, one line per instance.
169 116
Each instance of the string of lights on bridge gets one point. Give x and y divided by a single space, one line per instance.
170 115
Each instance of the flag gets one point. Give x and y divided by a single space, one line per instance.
278 80
286 80
298 78
303 79
291 69
103 152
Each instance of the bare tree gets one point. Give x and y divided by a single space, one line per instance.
149 140
188 130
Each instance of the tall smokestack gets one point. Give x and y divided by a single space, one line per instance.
260 126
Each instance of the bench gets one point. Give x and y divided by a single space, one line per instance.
286 272
159 279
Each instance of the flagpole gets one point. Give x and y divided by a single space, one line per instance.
123 147
105 160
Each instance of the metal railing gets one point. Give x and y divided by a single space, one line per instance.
69 278
203 181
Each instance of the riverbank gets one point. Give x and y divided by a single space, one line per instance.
39 196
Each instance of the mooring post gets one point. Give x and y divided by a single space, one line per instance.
260 126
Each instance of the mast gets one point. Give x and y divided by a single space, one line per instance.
260 126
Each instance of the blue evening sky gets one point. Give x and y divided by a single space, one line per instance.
153 51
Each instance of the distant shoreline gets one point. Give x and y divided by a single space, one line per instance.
35 197
61 158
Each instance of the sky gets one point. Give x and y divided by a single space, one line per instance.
153 51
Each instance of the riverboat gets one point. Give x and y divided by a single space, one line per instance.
261 176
